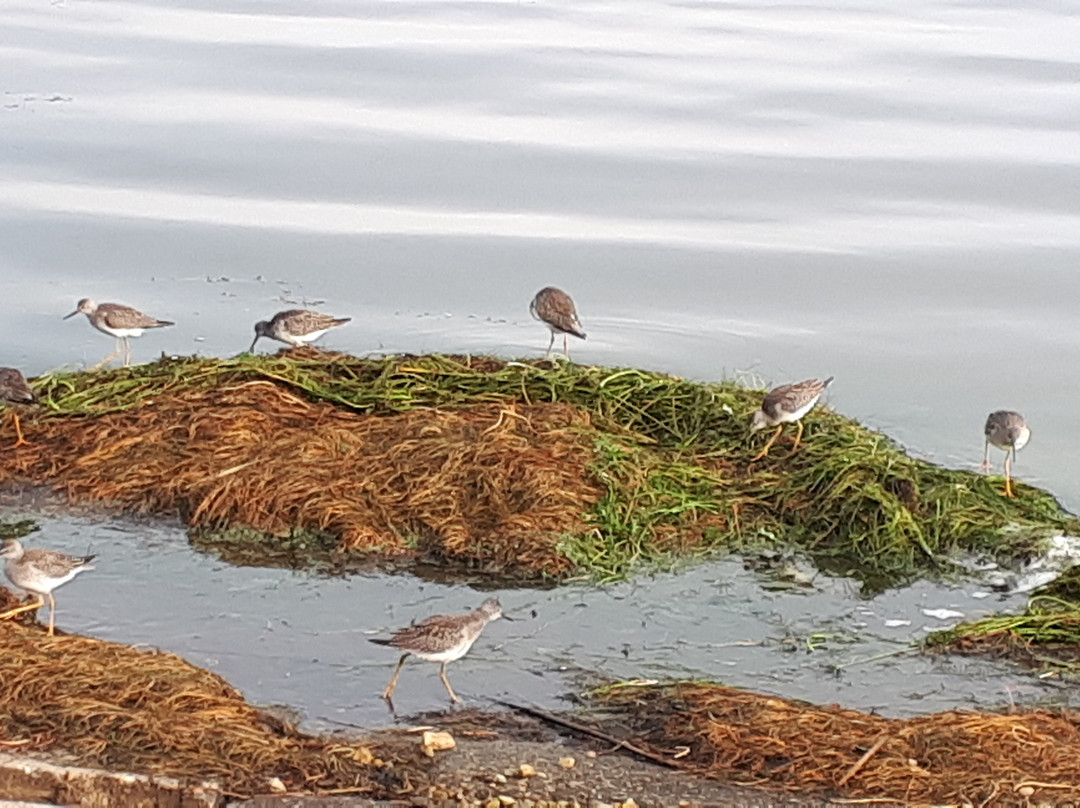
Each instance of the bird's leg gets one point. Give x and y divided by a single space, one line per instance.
26 607
108 358
389 692
127 351
446 682
768 445
20 440
551 343
986 464
52 615
1008 477
798 437
566 347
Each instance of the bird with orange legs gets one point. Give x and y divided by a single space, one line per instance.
784 405
15 390
1009 431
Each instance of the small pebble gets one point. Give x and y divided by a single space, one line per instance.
507 800
1025 791
500 779
629 803
567 762
590 754
525 770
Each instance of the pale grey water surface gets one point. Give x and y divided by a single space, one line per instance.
885 192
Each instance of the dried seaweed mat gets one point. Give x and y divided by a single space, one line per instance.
113 706
951 758
494 483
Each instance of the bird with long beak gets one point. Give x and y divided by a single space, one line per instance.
122 322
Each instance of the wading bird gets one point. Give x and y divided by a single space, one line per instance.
1006 430
296 327
122 322
556 309
440 638
785 404
39 572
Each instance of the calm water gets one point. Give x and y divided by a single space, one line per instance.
889 195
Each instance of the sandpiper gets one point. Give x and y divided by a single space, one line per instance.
39 572
1006 430
556 309
296 327
441 638
785 404
122 322
14 389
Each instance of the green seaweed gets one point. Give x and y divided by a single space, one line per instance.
675 457
17 528
1045 636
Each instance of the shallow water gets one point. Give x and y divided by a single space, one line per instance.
300 639
776 190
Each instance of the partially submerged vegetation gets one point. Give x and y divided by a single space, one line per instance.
950 758
530 468
1046 637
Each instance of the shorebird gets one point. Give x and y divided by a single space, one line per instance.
14 389
1006 430
122 322
39 572
787 403
440 638
556 309
296 327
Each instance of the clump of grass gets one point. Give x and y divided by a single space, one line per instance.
651 467
1046 636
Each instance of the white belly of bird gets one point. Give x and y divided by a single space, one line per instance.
450 654
304 339
41 584
118 332
792 417
1021 441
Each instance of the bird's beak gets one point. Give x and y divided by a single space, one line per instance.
508 617
69 316
252 348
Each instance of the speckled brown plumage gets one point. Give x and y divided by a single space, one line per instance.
296 327
440 638
791 401
556 309
14 388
